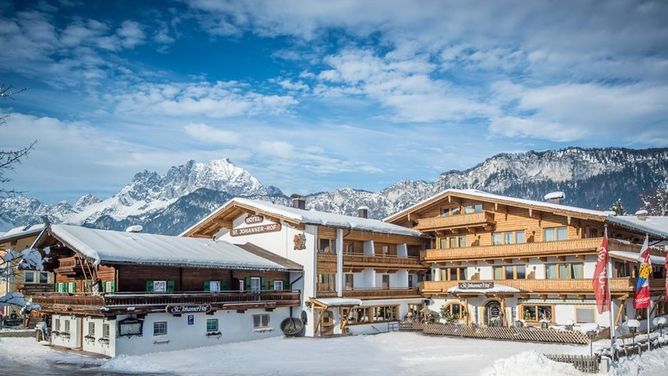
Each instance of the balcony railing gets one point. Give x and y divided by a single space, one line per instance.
381 293
544 286
361 260
160 300
456 221
556 248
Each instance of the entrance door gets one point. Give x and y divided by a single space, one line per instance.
493 313
386 282
327 324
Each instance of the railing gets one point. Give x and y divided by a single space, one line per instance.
456 221
574 286
562 247
161 299
507 333
35 288
352 259
380 293
68 262
326 257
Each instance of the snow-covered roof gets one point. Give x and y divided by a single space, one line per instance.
633 256
496 288
657 226
314 217
104 246
21 232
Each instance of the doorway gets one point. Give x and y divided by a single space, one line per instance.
493 314
327 327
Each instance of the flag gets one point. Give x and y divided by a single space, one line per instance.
666 276
641 298
600 280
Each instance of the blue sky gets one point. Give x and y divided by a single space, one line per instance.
312 96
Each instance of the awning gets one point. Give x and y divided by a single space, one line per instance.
633 256
337 302
495 288
380 302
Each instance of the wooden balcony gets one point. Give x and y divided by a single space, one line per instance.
482 219
70 266
356 260
380 293
526 250
114 303
28 289
545 286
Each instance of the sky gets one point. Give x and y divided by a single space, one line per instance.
312 96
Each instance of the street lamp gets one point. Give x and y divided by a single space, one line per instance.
633 326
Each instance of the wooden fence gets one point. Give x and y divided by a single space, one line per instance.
502 333
583 363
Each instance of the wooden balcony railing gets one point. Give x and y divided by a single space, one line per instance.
546 286
160 300
326 257
455 221
381 293
392 261
556 248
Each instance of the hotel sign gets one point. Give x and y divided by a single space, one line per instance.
179 309
253 219
273 227
476 285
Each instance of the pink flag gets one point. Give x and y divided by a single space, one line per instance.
600 280
641 298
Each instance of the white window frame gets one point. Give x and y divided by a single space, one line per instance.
161 284
154 328
27 273
258 288
262 323
214 286
207 325
278 285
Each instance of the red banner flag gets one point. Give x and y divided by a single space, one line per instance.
600 280
666 276
641 299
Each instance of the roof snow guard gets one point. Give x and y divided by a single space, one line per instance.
310 217
116 247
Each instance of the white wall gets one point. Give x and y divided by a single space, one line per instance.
95 345
234 327
74 339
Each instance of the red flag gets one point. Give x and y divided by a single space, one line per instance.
600 280
666 277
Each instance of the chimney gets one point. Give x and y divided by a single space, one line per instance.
135 228
554 197
642 214
298 202
363 212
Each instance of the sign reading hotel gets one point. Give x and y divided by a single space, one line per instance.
253 219
178 309
273 227
476 285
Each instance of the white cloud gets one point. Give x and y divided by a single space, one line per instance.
131 34
206 133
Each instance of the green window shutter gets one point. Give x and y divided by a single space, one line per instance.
149 285
56 287
247 284
224 285
170 285
73 286
113 286
87 287
207 286
101 286
286 285
61 286
264 284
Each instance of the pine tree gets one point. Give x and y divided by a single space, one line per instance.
656 203
618 208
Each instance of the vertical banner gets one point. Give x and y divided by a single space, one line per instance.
600 280
641 298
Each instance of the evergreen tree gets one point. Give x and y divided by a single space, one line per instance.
618 208
656 203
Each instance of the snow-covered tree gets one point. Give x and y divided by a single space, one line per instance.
9 158
27 259
618 208
656 203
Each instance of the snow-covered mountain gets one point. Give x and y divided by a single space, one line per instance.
172 202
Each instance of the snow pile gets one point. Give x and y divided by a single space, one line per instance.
529 363
649 364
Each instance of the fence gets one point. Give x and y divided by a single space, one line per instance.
503 333
584 363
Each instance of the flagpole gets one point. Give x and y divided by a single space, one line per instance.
608 273
649 257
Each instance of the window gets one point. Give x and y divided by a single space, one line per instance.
565 271
213 286
456 311
28 276
507 237
67 326
105 331
130 327
56 325
537 312
443 243
278 285
385 250
621 269
91 329
554 234
385 281
470 209
160 286
349 278
261 321
551 272
160 328
521 271
584 315
109 286
255 284
211 325
326 246
453 274
326 282
72 287
502 272
384 313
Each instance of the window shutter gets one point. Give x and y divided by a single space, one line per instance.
170 285
224 285
56 287
286 285
247 283
264 284
73 287
207 286
113 286
149 285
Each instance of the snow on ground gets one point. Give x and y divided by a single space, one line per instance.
383 354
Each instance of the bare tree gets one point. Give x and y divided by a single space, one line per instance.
9 158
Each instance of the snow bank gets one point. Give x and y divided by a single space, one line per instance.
529 363
654 363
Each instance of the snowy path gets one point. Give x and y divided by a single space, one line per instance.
385 354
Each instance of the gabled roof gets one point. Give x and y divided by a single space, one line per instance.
655 226
310 217
21 232
116 247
